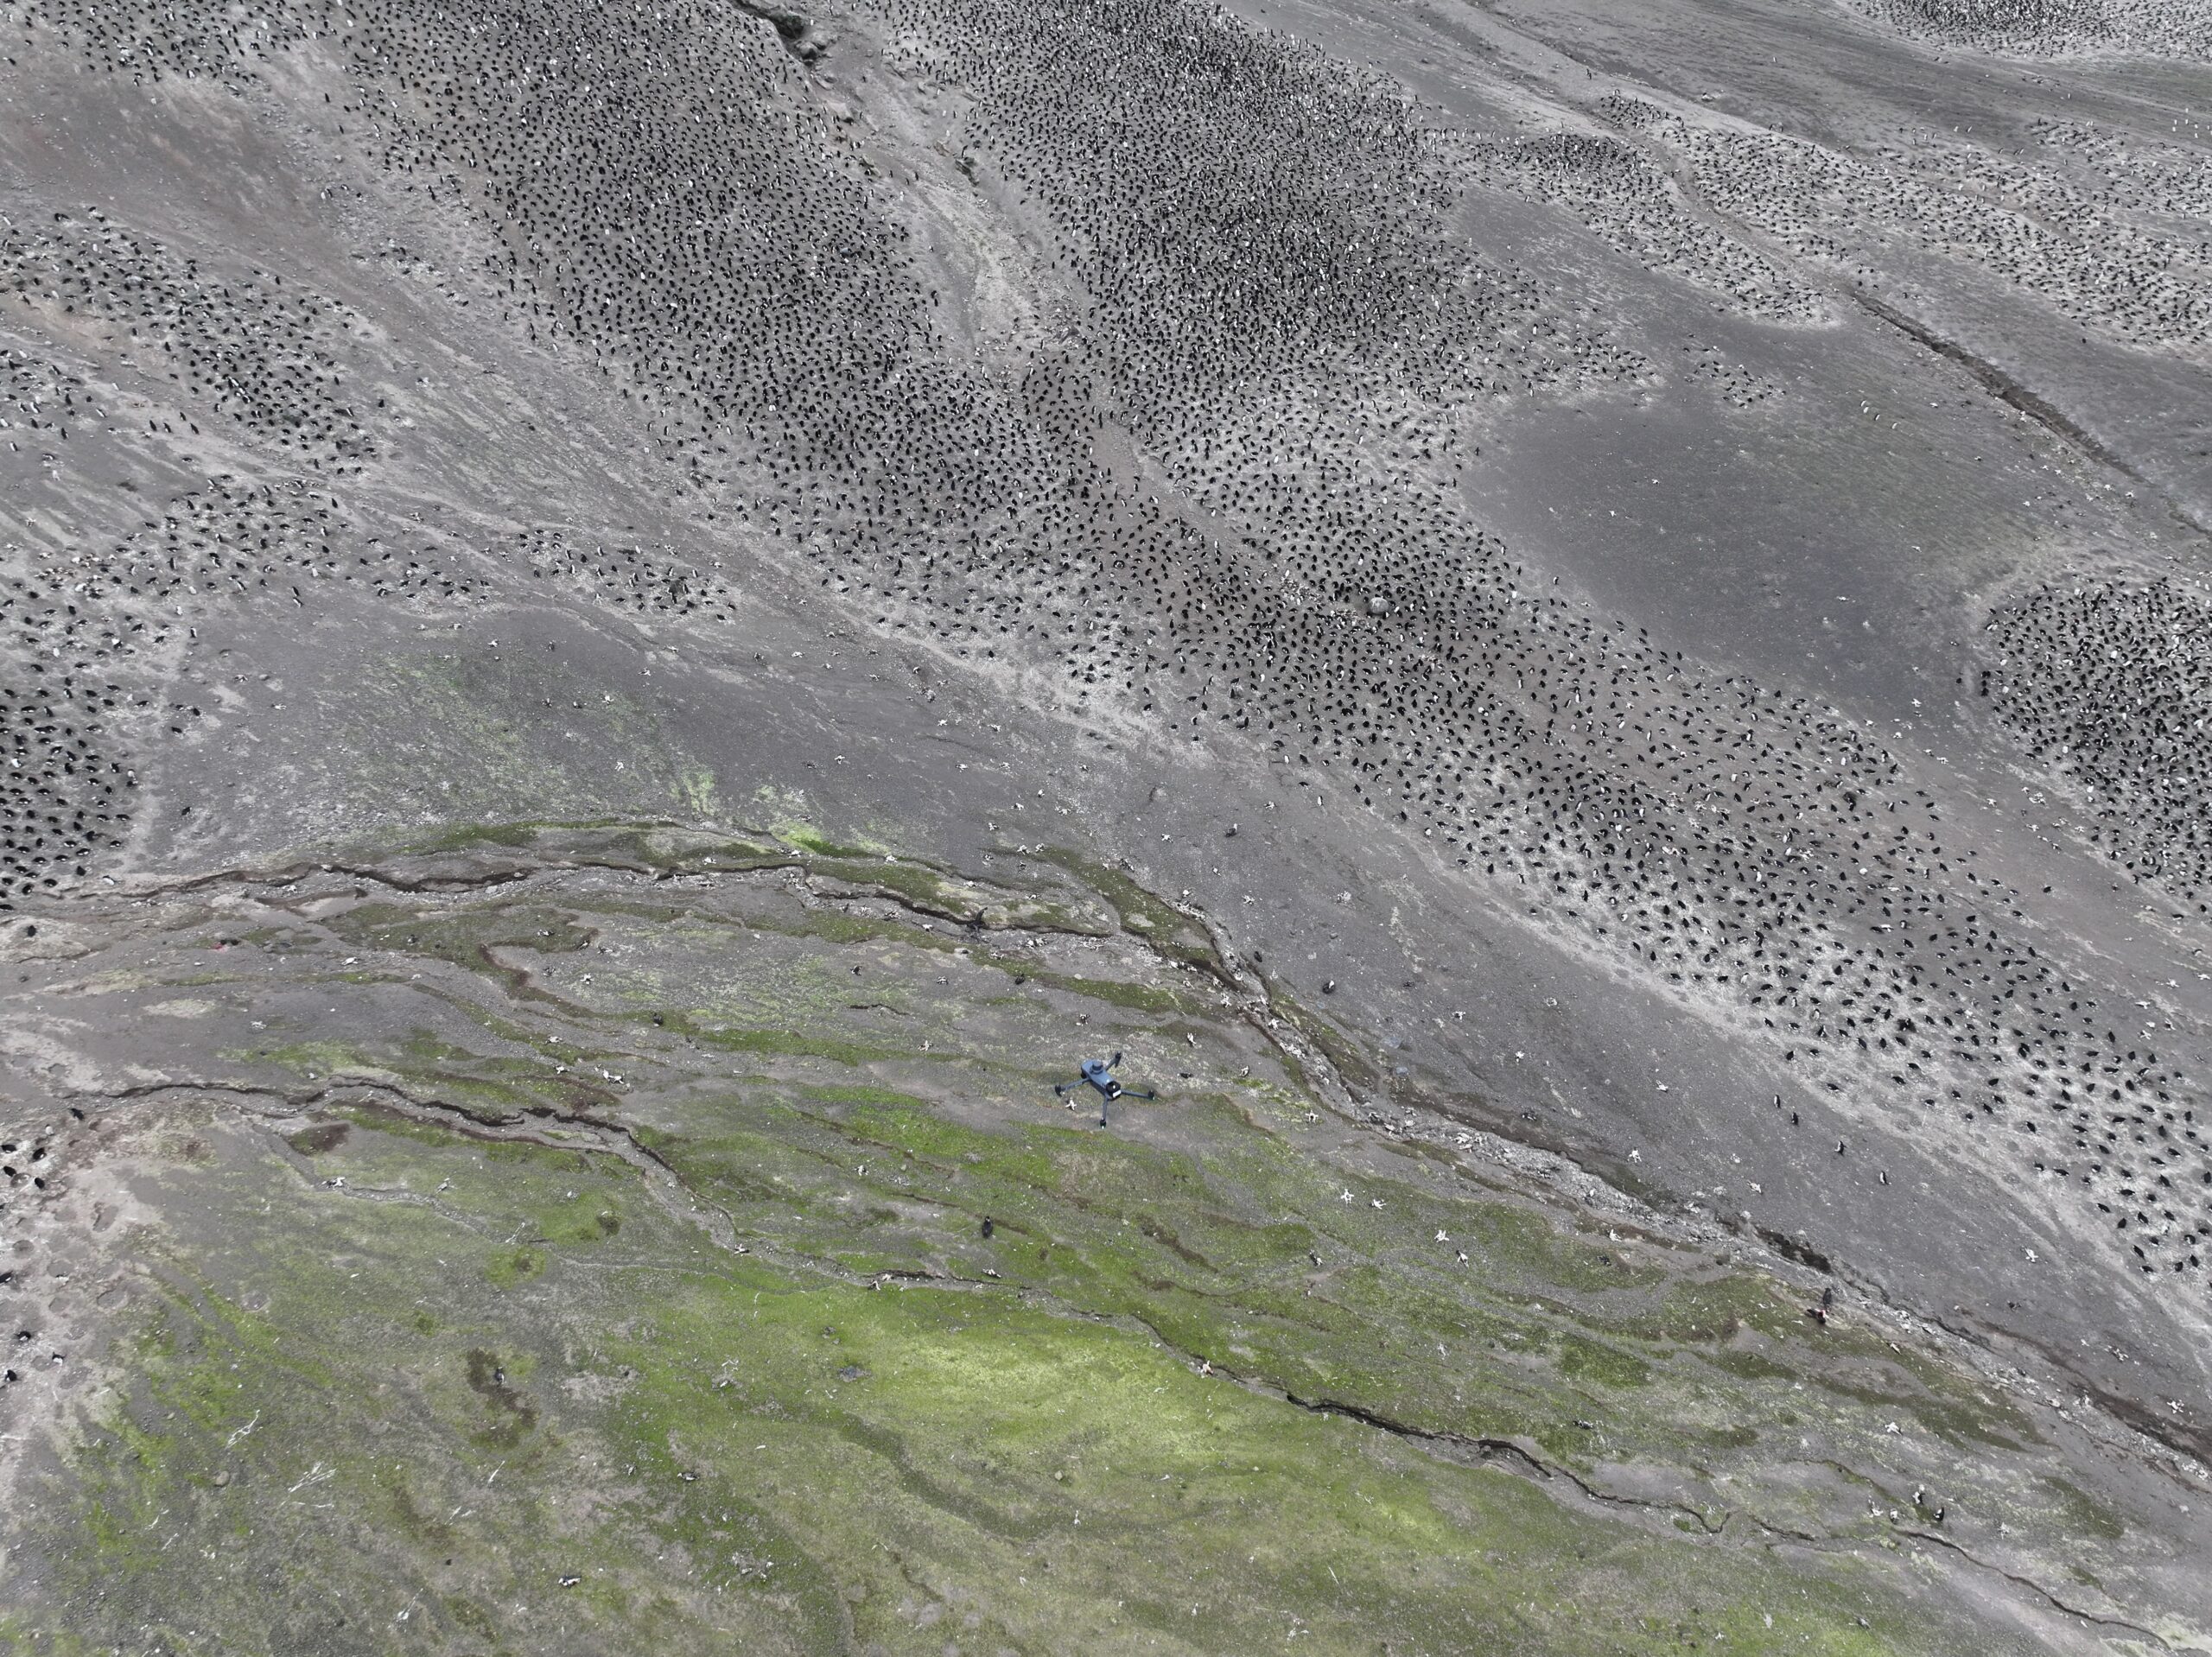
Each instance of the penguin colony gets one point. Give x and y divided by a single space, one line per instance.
2161 184
2132 275
1619 191
2156 201
1740 386
247 348
644 582
2110 683
65 792
1217 492
2034 28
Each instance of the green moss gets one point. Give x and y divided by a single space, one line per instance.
1585 1360
1174 935
917 886
714 1442
1709 1313
1750 1366
2083 1514
508 1267
516 1363
465 936
855 1094
312 1141
385 1122
1344 1056
467 835
789 1043
809 838
1137 998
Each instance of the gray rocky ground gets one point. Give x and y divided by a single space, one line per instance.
1583 630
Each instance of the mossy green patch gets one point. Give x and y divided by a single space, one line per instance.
1587 1360
1167 929
968 1368
642 1432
